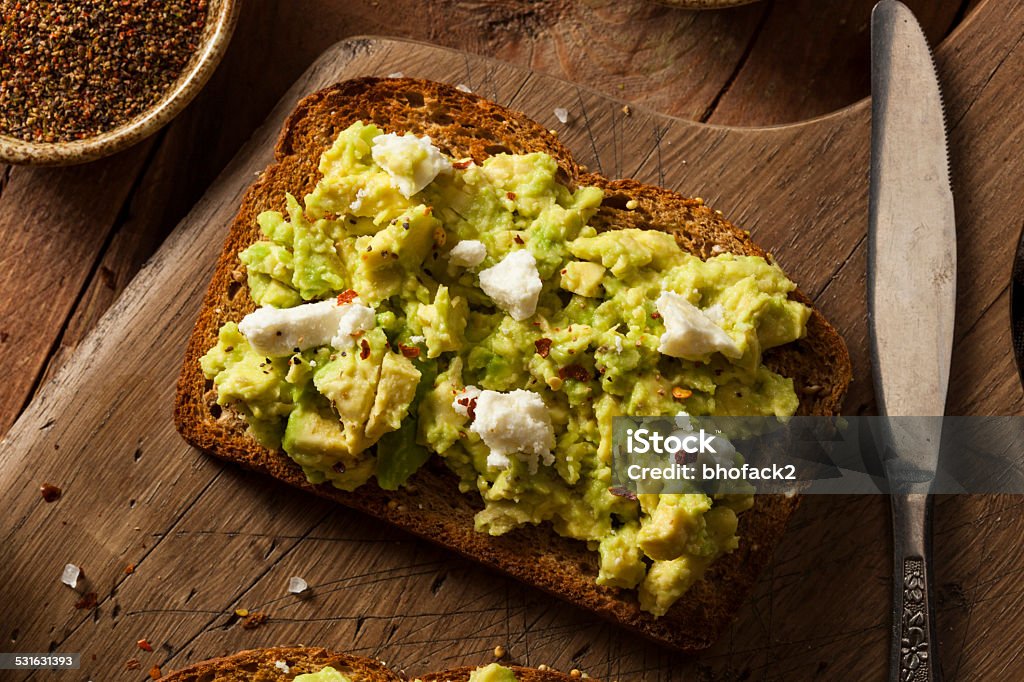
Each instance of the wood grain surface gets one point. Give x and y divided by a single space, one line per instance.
205 539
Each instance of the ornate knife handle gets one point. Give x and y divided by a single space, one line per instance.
914 656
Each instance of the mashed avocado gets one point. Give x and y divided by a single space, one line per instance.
414 304
328 674
492 673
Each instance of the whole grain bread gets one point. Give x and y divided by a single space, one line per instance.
264 665
261 665
465 125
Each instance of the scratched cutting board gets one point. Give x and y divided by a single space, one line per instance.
206 538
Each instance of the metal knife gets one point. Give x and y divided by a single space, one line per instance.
911 305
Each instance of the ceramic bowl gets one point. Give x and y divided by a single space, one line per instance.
216 34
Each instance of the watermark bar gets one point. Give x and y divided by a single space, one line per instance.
818 455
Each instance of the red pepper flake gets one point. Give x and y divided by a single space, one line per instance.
470 405
144 644
129 569
574 372
50 493
132 664
619 491
511 196
409 351
462 165
347 296
518 240
655 316
364 349
254 620
543 346
155 673
88 601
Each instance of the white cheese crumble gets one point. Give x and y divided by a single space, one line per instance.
279 331
468 253
358 202
690 332
282 666
462 87
514 284
412 162
297 585
562 114
515 423
463 398
355 319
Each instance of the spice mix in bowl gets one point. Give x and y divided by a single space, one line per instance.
82 79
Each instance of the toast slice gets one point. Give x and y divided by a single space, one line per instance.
465 125
265 665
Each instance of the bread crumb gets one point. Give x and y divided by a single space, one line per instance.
463 87
627 110
575 673
632 204
543 666
499 652
254 620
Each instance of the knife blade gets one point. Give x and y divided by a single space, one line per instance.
911 307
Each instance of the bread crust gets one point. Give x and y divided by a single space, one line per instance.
465 125
259 665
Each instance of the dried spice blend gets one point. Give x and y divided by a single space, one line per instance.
71 69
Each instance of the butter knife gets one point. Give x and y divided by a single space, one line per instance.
911 305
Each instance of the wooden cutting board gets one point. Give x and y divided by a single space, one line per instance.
173 542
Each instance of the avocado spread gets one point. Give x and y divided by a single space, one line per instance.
414 304
492 673
328 674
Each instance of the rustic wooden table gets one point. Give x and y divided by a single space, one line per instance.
80 235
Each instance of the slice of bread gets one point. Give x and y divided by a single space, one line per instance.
265 665
262 665
465 125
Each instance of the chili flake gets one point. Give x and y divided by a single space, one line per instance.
518 240
144 644
619 491
543 347
347 296
50 493
364 349
680 393
463 164
155 673
409 351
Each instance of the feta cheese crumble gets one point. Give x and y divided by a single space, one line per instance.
515 423
468 253
514 284
297 585
282 666
412 162
279 331
355 319
690 332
